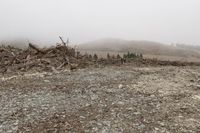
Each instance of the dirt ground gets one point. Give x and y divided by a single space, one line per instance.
108 99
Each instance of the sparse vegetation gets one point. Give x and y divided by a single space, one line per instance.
132 55
118 56
95 57
108 56
90 56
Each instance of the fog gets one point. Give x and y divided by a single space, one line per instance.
166 21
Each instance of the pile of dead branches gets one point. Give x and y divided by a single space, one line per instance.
43 59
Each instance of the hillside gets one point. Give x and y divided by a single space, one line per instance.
145 47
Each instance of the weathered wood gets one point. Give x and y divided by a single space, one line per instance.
62 41
35 48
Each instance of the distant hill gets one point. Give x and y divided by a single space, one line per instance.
191 47
145 47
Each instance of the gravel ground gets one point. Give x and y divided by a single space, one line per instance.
110 99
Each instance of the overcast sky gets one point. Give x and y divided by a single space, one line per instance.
167 21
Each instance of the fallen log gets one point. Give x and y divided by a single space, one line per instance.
37 49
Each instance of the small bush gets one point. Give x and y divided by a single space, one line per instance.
118 56
95 57
108 56
90 56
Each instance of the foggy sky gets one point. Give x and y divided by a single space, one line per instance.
167 21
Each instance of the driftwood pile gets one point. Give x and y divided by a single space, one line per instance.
46 59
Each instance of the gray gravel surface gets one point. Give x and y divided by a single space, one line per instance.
110 99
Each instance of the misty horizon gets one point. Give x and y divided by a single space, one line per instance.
172 21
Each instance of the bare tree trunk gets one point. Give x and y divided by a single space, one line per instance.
35 48
62 41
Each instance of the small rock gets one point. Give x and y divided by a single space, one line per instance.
94 97
107 123
121 103
136 113
82 117
129 109
120 86
47 81
197 97
87 104
142 126
16 123
192 80
197 86
162 124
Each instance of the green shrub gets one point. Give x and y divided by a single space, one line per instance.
132 55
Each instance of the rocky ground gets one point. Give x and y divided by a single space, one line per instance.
109 99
